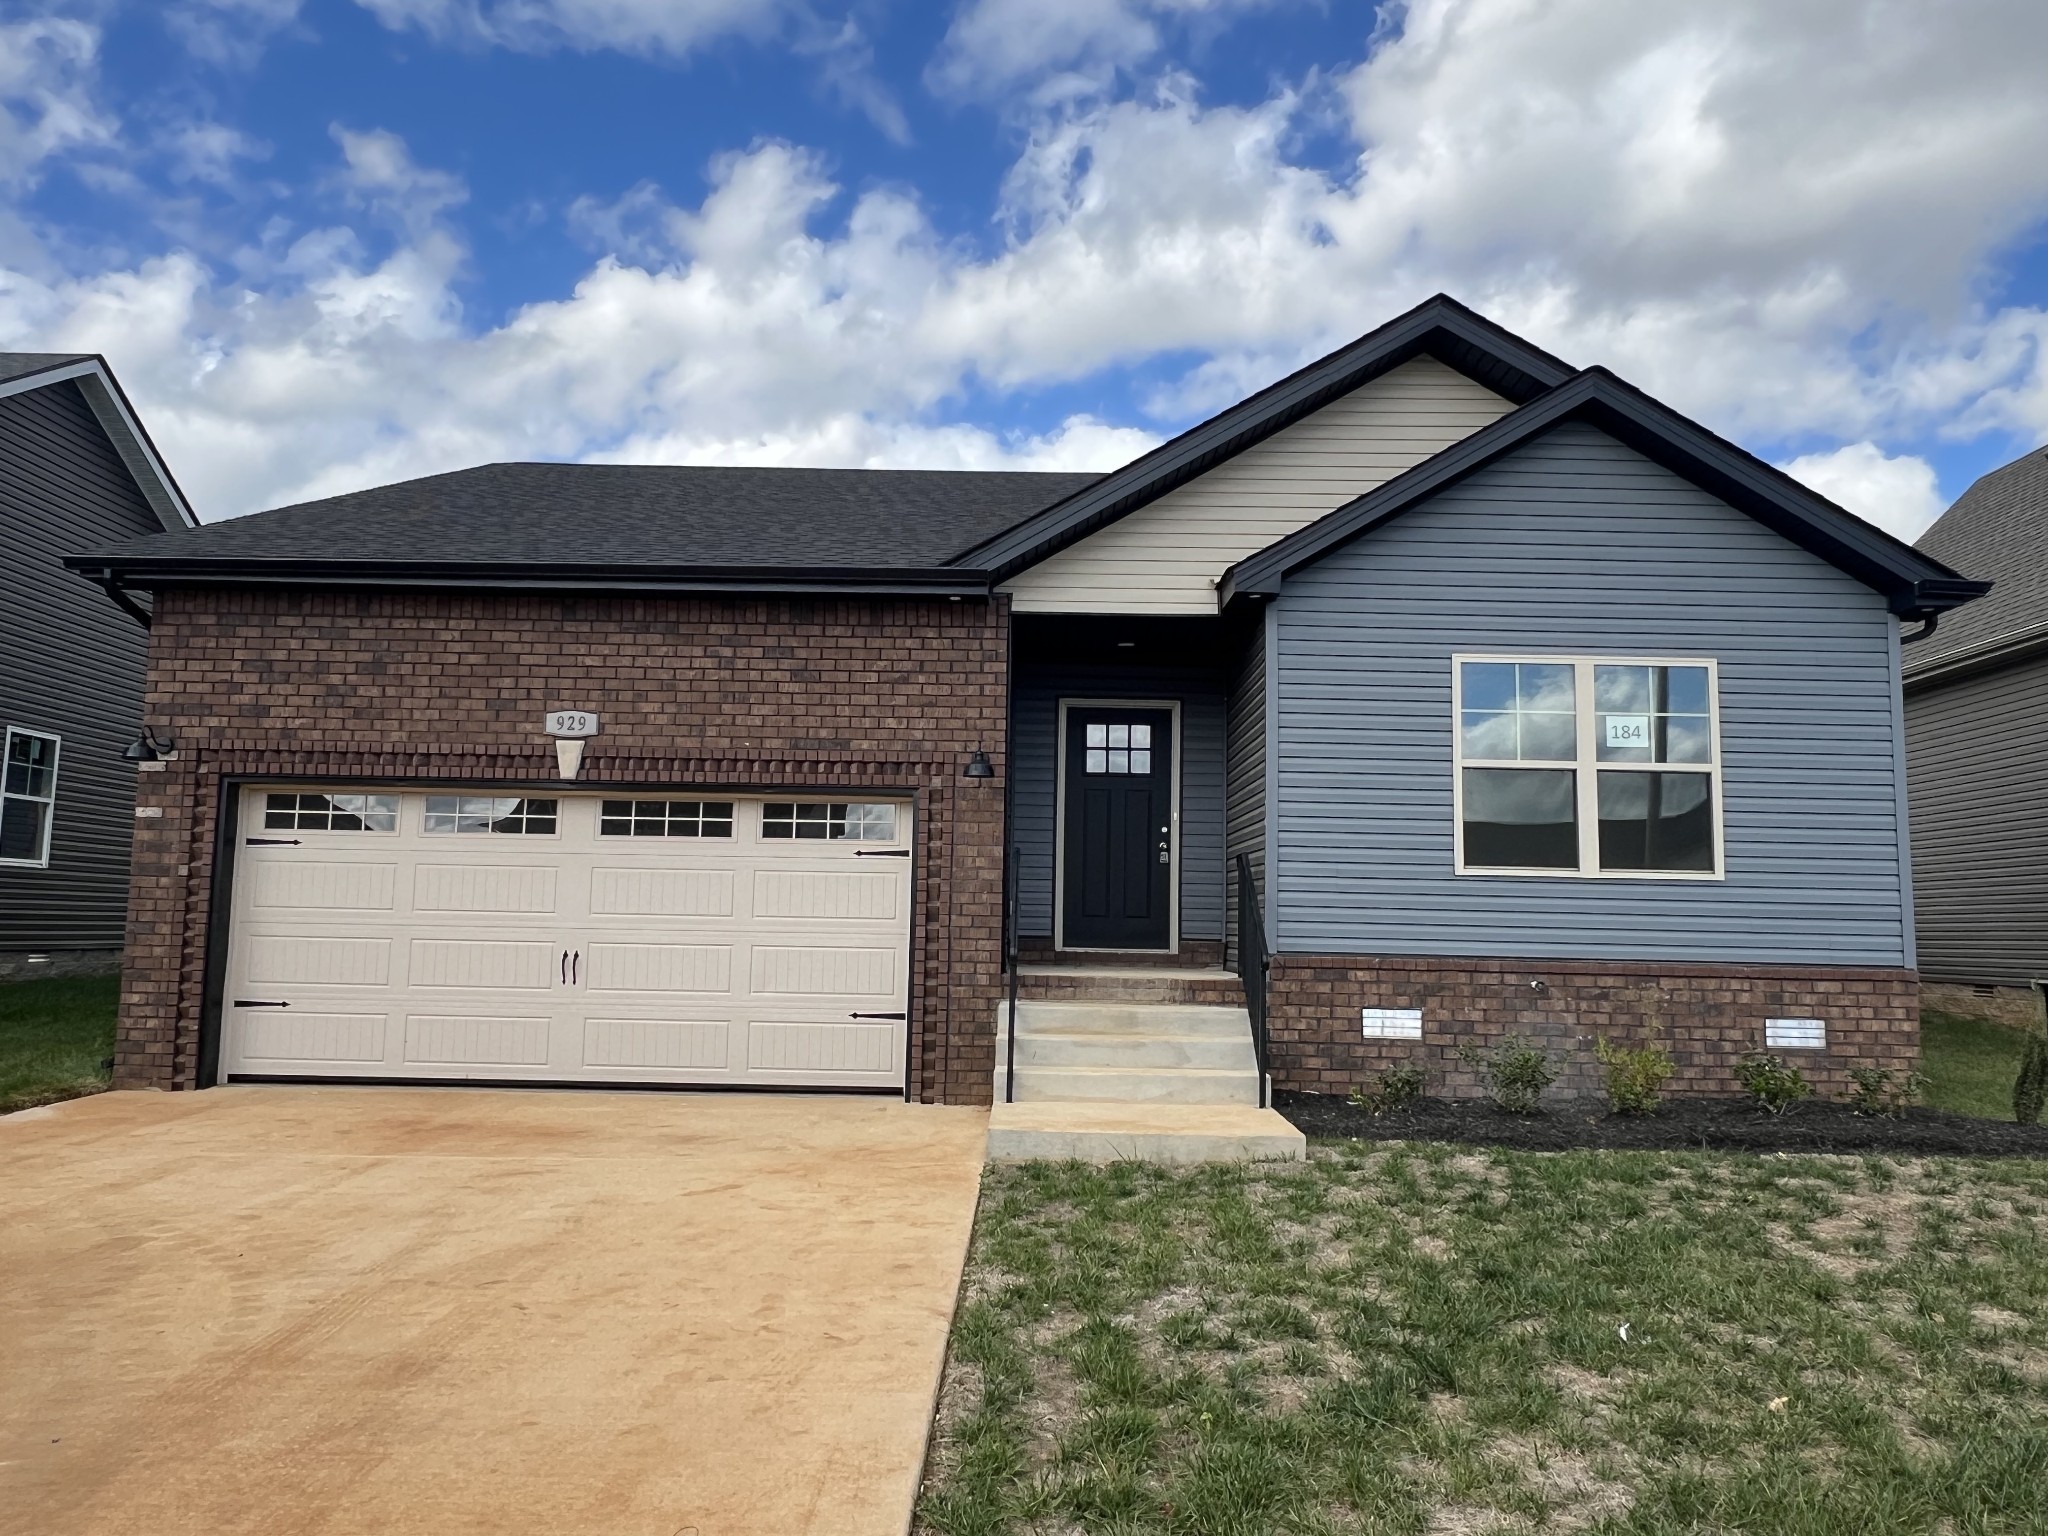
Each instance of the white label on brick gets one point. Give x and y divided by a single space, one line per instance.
1796 1034
149 810
1393 1023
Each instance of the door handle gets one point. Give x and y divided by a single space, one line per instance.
575 965
881 853
270 842
878 1016
243 1002
565 967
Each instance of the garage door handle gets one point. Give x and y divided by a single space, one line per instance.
270 842
881 853
878 1015
565 967
243 1002
575 967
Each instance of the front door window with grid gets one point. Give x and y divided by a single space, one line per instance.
28 797
1115 747
1587 767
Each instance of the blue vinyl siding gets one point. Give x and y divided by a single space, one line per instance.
1245 757
1577 544
1035 749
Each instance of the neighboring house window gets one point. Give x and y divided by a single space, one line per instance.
665 818
855 823
28 797
484 813
330 813
1598 766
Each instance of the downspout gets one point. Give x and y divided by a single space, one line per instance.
110 584
1926 628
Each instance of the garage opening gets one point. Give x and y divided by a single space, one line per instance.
674 937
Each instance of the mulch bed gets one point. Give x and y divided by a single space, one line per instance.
1721 1125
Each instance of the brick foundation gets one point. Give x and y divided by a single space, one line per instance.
1705 1016
850 695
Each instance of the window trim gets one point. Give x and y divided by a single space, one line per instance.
1586 765
49 802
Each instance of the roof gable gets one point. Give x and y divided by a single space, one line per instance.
21 371
1439 327
1914 585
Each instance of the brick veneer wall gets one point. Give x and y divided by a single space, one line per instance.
853 694
1706 1016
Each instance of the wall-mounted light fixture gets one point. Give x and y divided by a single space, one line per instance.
147 749
978 766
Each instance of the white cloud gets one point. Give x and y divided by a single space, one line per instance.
1899 494
633 26
230 32
1783 233
1062 49
49 68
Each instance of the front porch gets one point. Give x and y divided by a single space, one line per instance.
1139 756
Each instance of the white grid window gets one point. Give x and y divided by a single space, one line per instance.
1589 766
28 797
1119 748
486 813
851 823
330 813
665 818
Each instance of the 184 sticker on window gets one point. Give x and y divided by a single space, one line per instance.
1628 730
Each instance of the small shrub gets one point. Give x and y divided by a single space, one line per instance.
1395 1088
1771 1082
1634 1077
1517 1071
2030 1088
1877 1093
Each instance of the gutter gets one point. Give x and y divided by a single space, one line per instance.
152 572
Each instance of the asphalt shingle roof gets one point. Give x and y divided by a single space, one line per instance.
1998 532
641 515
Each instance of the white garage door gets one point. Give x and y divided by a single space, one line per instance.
672 938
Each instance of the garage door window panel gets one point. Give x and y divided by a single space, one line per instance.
462 814
665 818
330 813
859 823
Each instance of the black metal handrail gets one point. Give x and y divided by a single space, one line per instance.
1253 964
1010 948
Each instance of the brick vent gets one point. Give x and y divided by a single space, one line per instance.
1706 1016
764 694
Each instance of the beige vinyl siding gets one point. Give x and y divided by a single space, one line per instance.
1166 557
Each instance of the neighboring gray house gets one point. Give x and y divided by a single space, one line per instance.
76 468
1528 706
1977 740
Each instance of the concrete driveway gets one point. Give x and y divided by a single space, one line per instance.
286 1310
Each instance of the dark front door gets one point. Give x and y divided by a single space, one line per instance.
1118 878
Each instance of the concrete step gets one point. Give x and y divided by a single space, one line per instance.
1128 984
1098 1048
1186 1021
1150 1133
1134 1085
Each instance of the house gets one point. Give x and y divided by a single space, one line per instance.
1525 705
76 469
1977 756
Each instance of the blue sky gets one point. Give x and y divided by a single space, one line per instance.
328 243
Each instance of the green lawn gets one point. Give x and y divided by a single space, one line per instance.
1970 1064
55 1038
1426 1339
